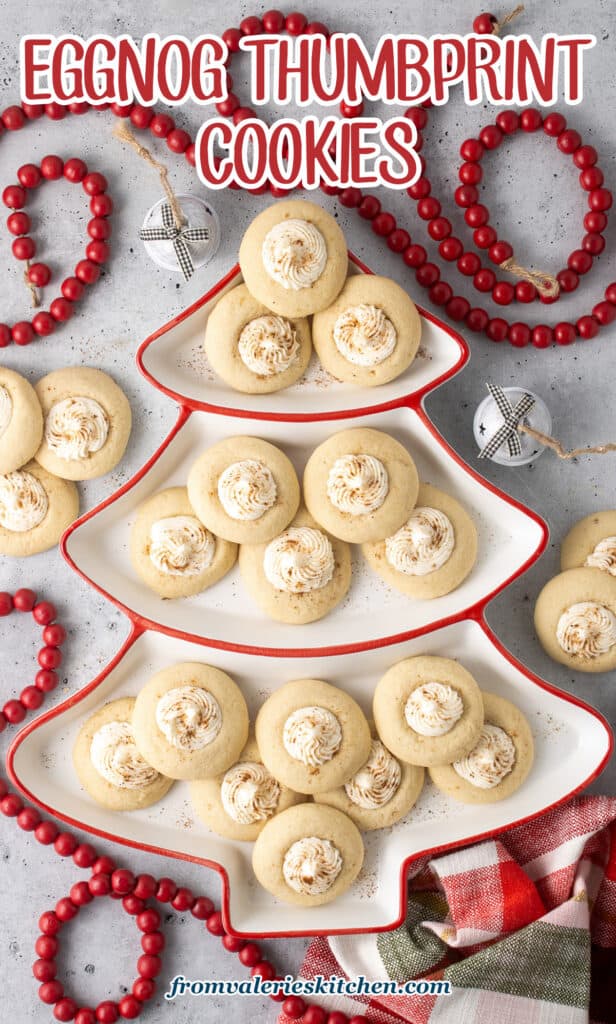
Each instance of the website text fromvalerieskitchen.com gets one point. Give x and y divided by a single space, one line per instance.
290 986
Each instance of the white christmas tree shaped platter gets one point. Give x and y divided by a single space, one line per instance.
572 744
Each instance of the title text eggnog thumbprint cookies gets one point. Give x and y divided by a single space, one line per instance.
35 510
190 721
308 855
238 803
87 423
380 793
253 349
172 551
360 484
300 575
244 490
293 258
21 421
312 736
370 334
108 764
432 552
575 619
499 762
428 710
591 543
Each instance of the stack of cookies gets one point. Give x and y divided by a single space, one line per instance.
74 425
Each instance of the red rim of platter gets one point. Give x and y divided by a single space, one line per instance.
140 624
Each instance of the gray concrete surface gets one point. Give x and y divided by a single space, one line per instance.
532 194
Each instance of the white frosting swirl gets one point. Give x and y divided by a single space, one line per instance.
490 760
181 546
249 793
294 254
6 408
76 427
586 630
357 484
364 335
377 782
247 489
299 560
423 544
23 501
311 865
433 709
603 556
268 345
312 735
189 717
116 759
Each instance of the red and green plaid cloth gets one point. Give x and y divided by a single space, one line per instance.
519 925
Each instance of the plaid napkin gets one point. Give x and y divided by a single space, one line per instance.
518 924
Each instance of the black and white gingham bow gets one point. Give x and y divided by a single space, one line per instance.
169 232
512 417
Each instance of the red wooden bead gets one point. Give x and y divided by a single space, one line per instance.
483 24
264 970
145 887
46 680
477 319
61 310
399 240
14 712
29 175
477 215
13 119
18 223
14 197
65 1009
519 335
49 657
541 336
499 252
31 698
587 327
33 110
580 261
530 120
497 329
440 293
604 312
122 881
23 248
484 280
178 140
79 108
418 117
99 228
273 21
148 920
585 156
132 904
428 208
24 599
594 244
103 866
101 205
44 612
315 1015
420 189
140 116
55 111
51 992
457 307
317 28
564 334
6 603
144 989
525 291
87 271
149 965
337 1017
250 955
469 264
232 943
190 155
470 174
226 107
94 183
568 141
415 256
568 280
129 1007
28 819
202 908
45 833
153 942
97 252
591 177
503 293
44 970
72 289
295 23
65 844
49 923
80 894
231 38
466 195
450 249
600 199
428 274
166 890
369 207
183 899
484 237
106 1012
294 1007
508 121
352 110
491 136
84 856
383 224
46 946
214 924
5 335
610 293
39 274
554 124
52 167
251 26
160 126
22 333
66 910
